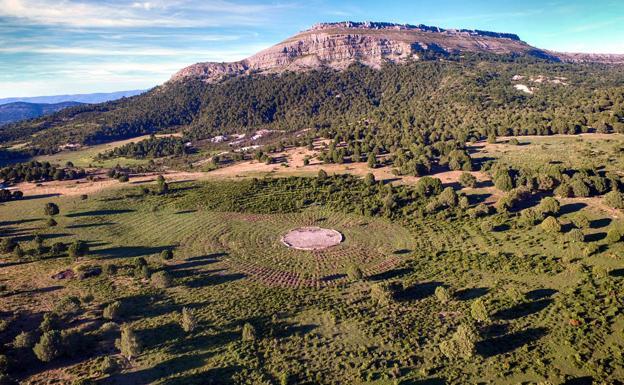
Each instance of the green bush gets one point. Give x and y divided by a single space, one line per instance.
109 365
354 273
162 279
576 235
466 179
614 199
49 346
443 294
112 311
549 206
51 209
166 254
478 311
613 235
551 225
78 249
188 320
462 344
249 332
129 343
25 340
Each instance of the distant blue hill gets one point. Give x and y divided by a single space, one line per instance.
80 98
14 112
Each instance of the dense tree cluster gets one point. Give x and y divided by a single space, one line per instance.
34 171
154 147
552 179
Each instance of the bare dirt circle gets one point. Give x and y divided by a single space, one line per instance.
311 238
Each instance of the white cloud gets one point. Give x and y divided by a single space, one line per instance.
130 52
174 13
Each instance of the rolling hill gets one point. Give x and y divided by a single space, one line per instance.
16 111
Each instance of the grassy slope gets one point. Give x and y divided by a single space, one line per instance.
336 332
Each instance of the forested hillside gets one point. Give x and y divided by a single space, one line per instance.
431 98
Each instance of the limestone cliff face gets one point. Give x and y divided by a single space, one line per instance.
337 45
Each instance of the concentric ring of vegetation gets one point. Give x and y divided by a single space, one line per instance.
253 246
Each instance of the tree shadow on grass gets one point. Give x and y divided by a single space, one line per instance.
26 238
571 208
617 273
204 342
587 380
595 237
600 223
471 293
523 309
427 381
390 274
417 291
143 305
19 222
540 294
478 198
211 376
161 334
39 196
509 342
205 280
87 225
130 251
209 256
99 213
185 212
190 266
185 273
160 370
333 277
48 289
195 262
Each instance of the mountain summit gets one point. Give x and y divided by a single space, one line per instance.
337 45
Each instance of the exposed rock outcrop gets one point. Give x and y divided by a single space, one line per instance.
337 45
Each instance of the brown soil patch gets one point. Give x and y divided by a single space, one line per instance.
311 238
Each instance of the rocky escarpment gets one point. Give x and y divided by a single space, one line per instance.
337 45
571 57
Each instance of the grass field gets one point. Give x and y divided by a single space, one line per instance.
571 151
313 324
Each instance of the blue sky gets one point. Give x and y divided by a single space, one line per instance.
64 46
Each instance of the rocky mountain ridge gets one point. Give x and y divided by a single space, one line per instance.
338 45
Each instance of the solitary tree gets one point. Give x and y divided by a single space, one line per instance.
372 160
112 310
51 209
354 273
188 320
551 225
249 332
443 294
49 346
166 254
614 199
129 343
467 180
549 206
478 311
504 182
78 249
